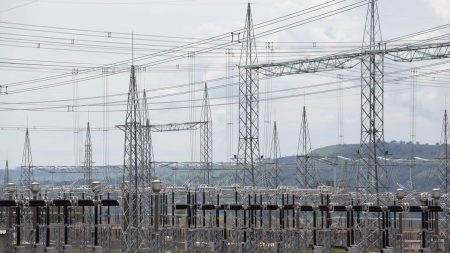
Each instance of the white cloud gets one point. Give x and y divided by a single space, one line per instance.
440 7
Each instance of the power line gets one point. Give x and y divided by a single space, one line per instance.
166 51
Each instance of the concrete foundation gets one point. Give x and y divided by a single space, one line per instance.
38 248
97 249
353 249
20 249
50 250
318 249
67 248
388 250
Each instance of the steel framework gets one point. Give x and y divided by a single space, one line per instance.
170 127
443 168
26 170
248 156
6 175
149 167
406 53
372 172
206 146
306 174
274 179
133 233
87 167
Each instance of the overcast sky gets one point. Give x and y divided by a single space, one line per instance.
201 19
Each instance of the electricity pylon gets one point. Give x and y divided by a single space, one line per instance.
88 157
274 173
133 186
206 149
6 176
306 174
147 144
373 172
26 172
443 168
248 156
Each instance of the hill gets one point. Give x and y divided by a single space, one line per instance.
400 174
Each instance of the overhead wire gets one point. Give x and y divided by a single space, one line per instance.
137 58
112 103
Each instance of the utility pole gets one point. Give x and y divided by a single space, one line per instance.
248 157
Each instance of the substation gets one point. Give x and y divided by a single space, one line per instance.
251 211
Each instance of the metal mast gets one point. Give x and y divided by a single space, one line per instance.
6 176
248 156
274 171
412 127
372 106
306 174
149 169
88 157
26 173
340 106
372 173
443 168
443 172
133 183
206 151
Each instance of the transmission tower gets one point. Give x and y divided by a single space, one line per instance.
206 151
192 104
26 173
133 236
412 127
372 106
340 106
372 171
149 169
443 171
88 157
6 176
274 175
248 157
443 168
306 174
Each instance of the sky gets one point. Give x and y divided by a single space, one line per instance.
177 22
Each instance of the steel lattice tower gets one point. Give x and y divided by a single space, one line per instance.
372 173
149 169
443 172
306 174
443 168
26 173
274 177
133 234
248 157
206 148
372 106
88 157
6 176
